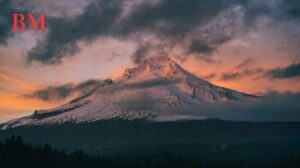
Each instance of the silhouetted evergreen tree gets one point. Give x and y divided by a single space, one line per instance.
14 153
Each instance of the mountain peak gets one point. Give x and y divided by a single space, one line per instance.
157 81
160 66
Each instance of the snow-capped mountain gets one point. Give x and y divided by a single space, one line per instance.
157 81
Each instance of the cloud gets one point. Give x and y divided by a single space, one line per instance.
97 19
223 27
230 76
273 106
141 102
244 64
199 26
142 84
241 74
173 21
172 18
87 85
209 76
53 93
150 49
291 8
6 11
200 48
141 53
57 93
291 71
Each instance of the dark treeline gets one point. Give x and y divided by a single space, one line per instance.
14 153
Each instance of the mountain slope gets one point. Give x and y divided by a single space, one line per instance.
157 82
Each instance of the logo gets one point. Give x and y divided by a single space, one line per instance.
22 22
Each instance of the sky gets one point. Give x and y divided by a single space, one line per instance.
248 45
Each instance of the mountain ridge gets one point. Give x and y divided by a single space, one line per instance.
157 81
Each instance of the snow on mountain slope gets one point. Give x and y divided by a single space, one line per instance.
158 81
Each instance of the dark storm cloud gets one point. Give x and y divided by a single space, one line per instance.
55 93
149 49
140 53
255 9
97 19
6 11
172 21
169 19
87 84
173 18
200 47
291 8
291 71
